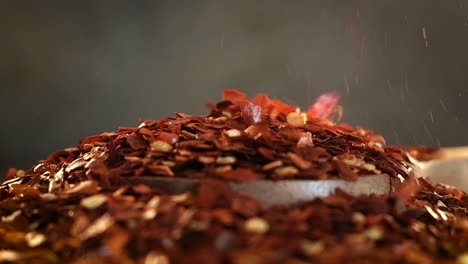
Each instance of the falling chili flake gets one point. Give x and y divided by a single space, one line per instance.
323 106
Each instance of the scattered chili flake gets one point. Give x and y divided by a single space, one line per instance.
324 106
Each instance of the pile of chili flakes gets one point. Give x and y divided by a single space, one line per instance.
76 207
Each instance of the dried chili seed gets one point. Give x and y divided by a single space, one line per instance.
20 173
151 208
256 225
272 165
358 217
99 226
94 201
226 160
34 239
233 133
155 257
161 146
296 119
285 172
462 259
373 233
180 197
312 248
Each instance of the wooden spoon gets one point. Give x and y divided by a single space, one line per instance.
448 166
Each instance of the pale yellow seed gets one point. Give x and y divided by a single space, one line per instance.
233 133
463 258
99 226
10 255
286 171
227 114
226 160
133 159
161 146
155 257
373 233
272 165
154 202
180 197
311 248
49 196
220 119
168 163
358 217
368 166
149 214
151 208
418 226
256 225
296 119
11 217
94 201
34 239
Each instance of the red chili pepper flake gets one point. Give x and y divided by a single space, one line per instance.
74 206
324 106
136 142
11 173
233 95
240 174
170 138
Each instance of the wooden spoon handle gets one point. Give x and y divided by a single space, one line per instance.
427 154
283 192
453 153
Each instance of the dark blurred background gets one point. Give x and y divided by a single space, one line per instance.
73 69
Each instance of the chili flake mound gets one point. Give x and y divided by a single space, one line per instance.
74 207
239 137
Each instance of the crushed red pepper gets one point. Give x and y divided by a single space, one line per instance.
76 206
239 135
